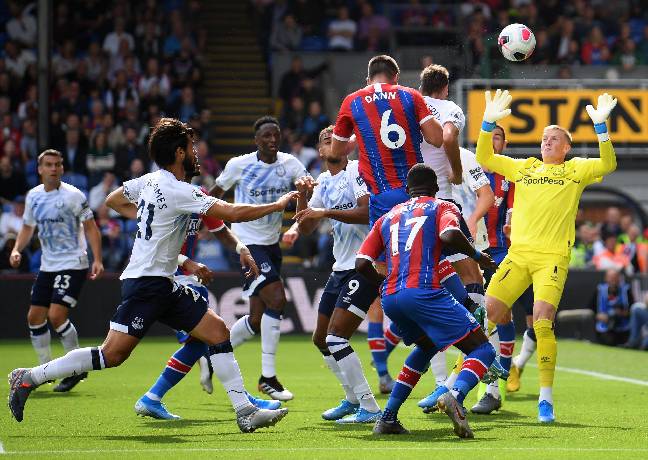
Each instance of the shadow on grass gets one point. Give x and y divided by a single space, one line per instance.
51 394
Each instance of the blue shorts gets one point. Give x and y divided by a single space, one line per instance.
381 203
184 336
348 290
268 259
429 312
62 288
149 299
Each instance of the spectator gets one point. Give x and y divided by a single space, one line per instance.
613 301
373 29
136 169
210 252
17 60
287 36
114 38
173 43
308 14
11 222
635 249
638 325
293 118
184 67
543 53
28 107
22 26
65 63
187 105
99 192
310 92
113 245
341 31
313 124
130 151
415 15
28 142
154 76
609 258
305 154
74 153
100 158
594 50
120 91
626 57
583 250
561 42
208 165
150 44
12 181
612 223
96 63
291 84
73 102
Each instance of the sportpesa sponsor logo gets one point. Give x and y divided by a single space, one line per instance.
542 181
49 220
269 191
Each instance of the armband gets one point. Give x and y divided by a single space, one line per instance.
488 126
239 247
182 259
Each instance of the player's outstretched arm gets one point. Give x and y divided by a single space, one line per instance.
239 212
119 203
201 271
309 218
24 237
607 163
496 109
451 149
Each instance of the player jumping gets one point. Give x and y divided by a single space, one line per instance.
412 236
164 205
341 196
390 122
547 192
261 177
61 213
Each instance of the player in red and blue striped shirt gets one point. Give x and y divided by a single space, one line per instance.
389 122
413 235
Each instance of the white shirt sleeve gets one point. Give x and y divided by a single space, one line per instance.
357 182
455 116
296 168
133 188
189 199
83 210
28 215
230 175
316 198
473 173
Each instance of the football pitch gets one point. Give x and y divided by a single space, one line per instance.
601 401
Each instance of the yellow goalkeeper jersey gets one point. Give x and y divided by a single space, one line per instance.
546 195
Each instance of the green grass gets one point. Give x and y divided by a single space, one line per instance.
597 419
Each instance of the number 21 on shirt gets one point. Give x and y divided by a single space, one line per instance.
416 223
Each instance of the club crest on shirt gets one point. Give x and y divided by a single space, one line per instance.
59 203
265 267
197 195
280 170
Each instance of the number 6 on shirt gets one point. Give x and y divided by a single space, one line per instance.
386 128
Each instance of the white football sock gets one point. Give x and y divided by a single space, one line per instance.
226 369
270 334
439 368
528 348
450 381
348 391
352 369
74 362
546 394
41 341
68 335
241 331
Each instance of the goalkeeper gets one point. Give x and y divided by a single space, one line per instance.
547 192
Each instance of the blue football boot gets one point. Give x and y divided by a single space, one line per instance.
546 412
361 416
263 403
428 404
345 408
146 407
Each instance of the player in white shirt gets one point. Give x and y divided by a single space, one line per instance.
164 207
341 196
62 216
460 180
260 177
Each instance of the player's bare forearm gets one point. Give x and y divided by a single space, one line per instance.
118 202
24 237
451 148
217 192
485 199
227 238
432 132
366 268
307 226
357 215
239 212
339 147
93 235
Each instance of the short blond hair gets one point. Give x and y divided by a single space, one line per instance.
562 130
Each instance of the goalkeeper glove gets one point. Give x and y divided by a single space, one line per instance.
496 108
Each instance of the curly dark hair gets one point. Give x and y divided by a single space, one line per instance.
434 78
167 136
267 119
